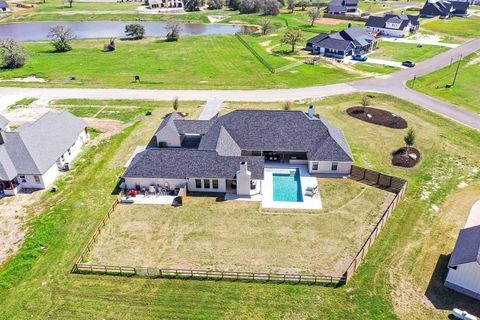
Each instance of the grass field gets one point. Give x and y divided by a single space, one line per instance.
404 51
217 62
465 91
457 27
391 283
234 236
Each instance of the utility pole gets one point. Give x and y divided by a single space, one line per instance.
456 71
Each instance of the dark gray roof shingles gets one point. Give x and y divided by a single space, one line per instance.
467 248
190 163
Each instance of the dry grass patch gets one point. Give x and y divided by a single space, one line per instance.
236 236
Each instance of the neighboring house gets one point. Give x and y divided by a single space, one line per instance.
32 156
229 153
352 40
444 9
4 124
393 25
4 6
155 4
342 6
464 265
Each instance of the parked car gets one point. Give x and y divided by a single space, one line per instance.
359 57
409 64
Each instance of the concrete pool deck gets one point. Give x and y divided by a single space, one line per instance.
306 180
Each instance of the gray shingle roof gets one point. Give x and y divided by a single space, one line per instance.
380 22
190 163
169 121
3 4
226 146
3 122
353 36
467 248
192 126
35 147
273 130
7 169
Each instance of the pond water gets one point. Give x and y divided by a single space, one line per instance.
30 31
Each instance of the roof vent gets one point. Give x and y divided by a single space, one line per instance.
311 111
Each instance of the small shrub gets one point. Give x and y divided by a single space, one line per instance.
135 31
12 54
61 37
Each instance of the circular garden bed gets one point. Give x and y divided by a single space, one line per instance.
378 116
406 157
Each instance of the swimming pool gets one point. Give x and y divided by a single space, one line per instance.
287 186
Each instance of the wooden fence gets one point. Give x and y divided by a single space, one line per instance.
255 53
209 275
386 182
96 234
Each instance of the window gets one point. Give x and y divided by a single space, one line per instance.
69 152
23 178
315 166
334 166
206 184
215 184
62 157
37 179
198 183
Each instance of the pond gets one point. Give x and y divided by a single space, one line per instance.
31 31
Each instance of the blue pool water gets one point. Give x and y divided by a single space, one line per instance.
287 187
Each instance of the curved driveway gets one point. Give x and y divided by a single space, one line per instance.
393 84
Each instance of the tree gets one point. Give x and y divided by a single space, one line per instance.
291 5
314 14
175 104
12 54
365 102
134 31
303 4
266 26
192 5
61 37
70 3
234 4
215 4
292 37
249 6
110 46
270 8
409 139
174 28
287 105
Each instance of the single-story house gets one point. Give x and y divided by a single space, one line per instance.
444 9
32 155
155 4
4 6
464 264
393 25
352 40
229 153
342 6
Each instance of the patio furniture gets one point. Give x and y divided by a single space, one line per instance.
311 193
132 193
152 189
312 188
127 199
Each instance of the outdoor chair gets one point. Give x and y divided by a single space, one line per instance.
312 189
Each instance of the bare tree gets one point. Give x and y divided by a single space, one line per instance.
110 46
12 54
270 7
70 3
174 28
292 37
314 14
61 37
266 26
287 105
365 102
291 5
175 103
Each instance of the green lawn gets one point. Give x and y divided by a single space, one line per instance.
405 51
374 68
465 91
217 62
37 283
457 27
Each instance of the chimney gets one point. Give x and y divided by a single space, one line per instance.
3 136
311 111
244 178
243 167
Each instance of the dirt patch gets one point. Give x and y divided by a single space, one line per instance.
106 126
406 157
378 116
330 21
14 212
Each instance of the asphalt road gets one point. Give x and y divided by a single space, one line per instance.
393 84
